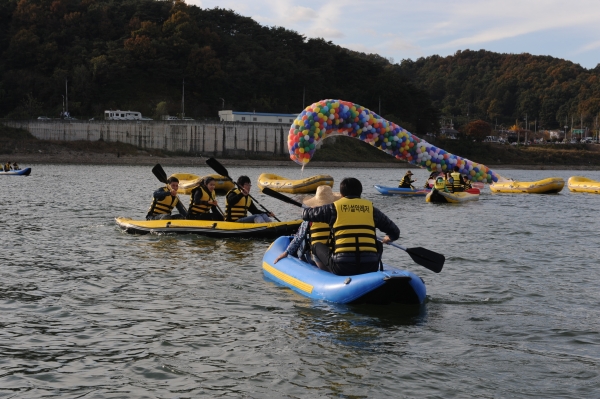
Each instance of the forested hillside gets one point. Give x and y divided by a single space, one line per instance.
135 54
508 87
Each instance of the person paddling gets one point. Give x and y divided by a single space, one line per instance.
406 181
164 200
310 233
239 204
203 201
353 220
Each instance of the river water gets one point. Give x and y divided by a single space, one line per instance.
87 311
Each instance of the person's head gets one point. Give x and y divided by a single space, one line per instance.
350 187
173 182
323 196
244 182
409 173
210 183
456 168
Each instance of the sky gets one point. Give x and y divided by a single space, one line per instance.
402 29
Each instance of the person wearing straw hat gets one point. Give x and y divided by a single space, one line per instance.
310 232
406 181
353 220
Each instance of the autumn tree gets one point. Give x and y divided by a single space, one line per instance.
478 130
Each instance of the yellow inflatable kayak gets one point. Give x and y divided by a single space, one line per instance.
188 181
544 186
580 184
302 186
209 228
452 198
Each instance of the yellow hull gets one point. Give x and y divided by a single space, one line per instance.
452 198
580 184
544 186
302 186
188 181
208 227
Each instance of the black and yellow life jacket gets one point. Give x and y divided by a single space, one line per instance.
354 227
440 184
195 209
239 210
163 207
320 232
456 185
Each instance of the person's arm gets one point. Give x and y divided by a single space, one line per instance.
324 214
233 198
294 245
254 210
181 208
197 198
161 194
383 223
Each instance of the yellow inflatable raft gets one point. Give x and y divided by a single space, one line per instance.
302 186
188 181
452 198
544 186
580 184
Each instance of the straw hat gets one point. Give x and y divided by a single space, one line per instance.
409 173
323 196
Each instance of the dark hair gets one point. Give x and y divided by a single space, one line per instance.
350 187
172 179
456 168
243 180
207 180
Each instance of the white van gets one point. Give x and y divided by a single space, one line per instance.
122 115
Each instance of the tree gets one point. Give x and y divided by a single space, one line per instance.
478 130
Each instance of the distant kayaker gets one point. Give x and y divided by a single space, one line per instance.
406 181
456 180
164 200
440 184
355 249
203 201
7 167
310 233
15 166
239 203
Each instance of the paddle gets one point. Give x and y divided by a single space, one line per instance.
161 175
221 170
424 257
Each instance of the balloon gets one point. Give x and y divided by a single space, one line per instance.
337 117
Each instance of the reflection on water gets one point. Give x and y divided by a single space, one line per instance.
89 311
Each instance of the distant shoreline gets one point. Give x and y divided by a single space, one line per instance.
140 160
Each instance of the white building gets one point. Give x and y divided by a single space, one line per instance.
119 115
256 117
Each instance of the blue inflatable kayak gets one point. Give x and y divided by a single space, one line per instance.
381 287
21 172
402 191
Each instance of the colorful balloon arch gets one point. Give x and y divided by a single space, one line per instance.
336 117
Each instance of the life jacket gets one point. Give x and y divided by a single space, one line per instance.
320 232
456 186
440 184
163 207
239 210
200 208
354 227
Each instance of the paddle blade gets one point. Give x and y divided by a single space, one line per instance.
426 258
272 193
160 173
217 167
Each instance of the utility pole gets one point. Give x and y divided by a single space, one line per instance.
67 96
379 105
526 128
183 100
303 97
